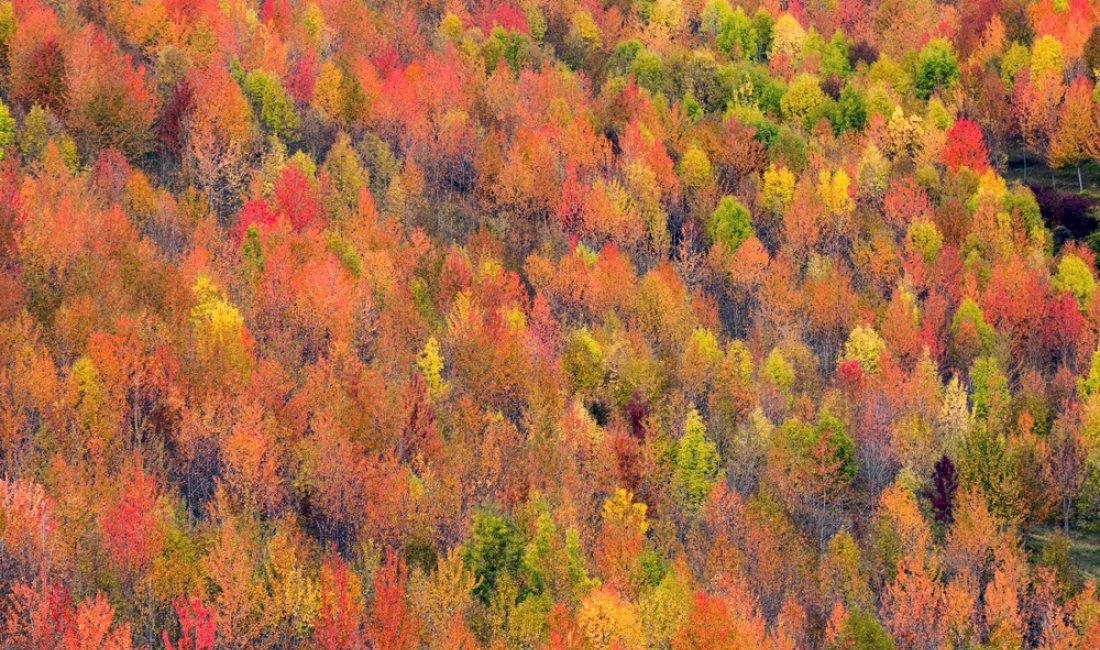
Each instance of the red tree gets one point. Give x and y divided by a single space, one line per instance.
965 147
392 622
196 626
339 623
297 198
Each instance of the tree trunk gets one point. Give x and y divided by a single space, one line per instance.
1080 184
1065 514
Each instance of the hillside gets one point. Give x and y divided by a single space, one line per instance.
549 324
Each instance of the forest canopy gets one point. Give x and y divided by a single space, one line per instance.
549 324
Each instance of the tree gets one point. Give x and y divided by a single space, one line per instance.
965 147
392 623
945 482
851 113
835 59
925 238
729 225
937 68
37 616
736 34
196 626
493 553
696 462
339 622
30 527
715 622
583 362
173 118
38 67
274 106
219 330
834 191
218 138
787 37
913 606
430 362
695 169
418 443
110 102
608 620
802 99
1068 457
343 177
842 576
1035 101
1078 129
7 130
1092 53
815 465
92 628
1047 55
777 191
296 196
131 530
862 631
1075 277
866 347
621 539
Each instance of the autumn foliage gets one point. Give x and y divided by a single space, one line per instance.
549 324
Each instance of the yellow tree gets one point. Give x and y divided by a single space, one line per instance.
1035 100
1078 133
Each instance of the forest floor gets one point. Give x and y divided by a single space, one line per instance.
1084 549
1064 178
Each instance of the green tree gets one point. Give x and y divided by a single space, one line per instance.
990 395
925 238
714 13
1092 53
553 560
778 370
819 464
937 68
35 133
648 70
835 58
1090 384
1075 277
862 631
494 550
852 109
986 464
696 462
275 107
831 433
764 24
730 224
737 36
970 334
7 130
